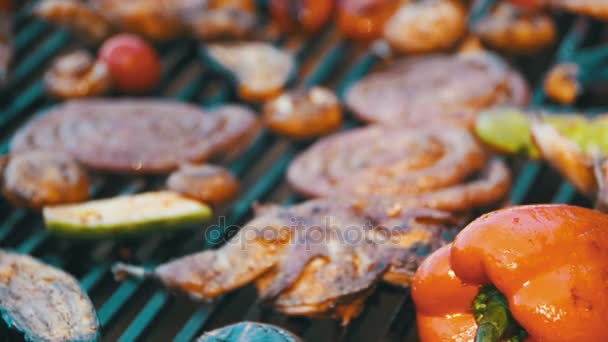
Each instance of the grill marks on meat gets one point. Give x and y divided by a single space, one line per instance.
421 166
319 258
44 303
136 136
438 88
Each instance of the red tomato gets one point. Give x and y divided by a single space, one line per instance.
133 63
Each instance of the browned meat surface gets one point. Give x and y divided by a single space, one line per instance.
319 258
562 83
158 20
153 19
218 19
304 113
426 166
511 29
206 183
135 135
40 178
75 15
594 8
438 88
76 75
260 68
44 303
426 26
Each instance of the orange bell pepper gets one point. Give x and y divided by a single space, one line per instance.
548 265
443 302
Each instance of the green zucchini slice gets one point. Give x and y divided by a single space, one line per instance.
43 303
126 215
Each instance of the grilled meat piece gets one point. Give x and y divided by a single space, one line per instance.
420 164
515 30
593 8
154 19
218 19
6 38
77 75
562 83
426 26
76 15
438 88
40 178
319 258
206 183
44 303
137 136
304 113
249 331
260 69
158 20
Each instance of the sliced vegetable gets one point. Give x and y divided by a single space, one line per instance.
260 69
508 130
126 215
44 303
249 331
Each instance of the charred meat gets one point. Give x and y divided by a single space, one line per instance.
319 258
136 136
438 88
44 303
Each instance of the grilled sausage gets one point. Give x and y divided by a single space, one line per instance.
438 88
137 136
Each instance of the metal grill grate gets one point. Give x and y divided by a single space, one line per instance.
141 311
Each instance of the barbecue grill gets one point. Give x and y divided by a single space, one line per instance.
135 310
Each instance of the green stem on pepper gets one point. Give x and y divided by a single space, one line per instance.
494 319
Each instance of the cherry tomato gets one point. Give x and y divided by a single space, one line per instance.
364 19
309 15
133 63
